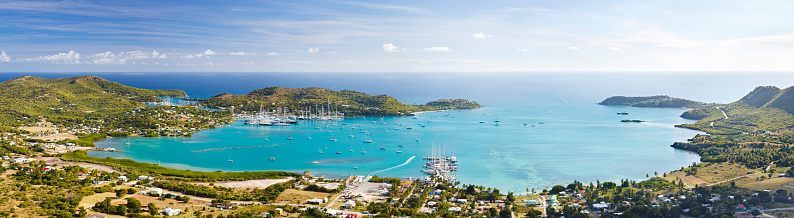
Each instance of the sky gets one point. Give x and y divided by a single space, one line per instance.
396 36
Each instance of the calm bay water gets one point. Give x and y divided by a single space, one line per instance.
567 136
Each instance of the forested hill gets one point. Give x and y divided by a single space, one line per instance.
69 98
767 108
352 103
659 101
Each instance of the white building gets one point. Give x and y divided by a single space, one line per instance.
21 160
156 191
172 212
350 204
122 178
143 177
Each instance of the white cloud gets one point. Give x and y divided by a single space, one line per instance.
108 58
313 50
242 53
272 53
437 48
4 57
209 52
188 56
480 35
162 56
389 47
61 58
522 49
614 48
573 48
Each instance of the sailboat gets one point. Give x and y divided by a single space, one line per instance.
351 148
366 139
290 137
351 134
362 150
128 141
230 159
332 137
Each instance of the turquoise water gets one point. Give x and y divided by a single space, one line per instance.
566 138
579 139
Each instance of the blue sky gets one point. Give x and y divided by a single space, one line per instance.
396 36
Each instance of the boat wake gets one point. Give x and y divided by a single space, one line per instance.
235 148
390 168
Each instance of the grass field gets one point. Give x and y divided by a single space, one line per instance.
771 184
298 197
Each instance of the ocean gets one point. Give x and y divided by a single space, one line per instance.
551 129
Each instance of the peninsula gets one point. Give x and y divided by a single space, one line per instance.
659 101
347 102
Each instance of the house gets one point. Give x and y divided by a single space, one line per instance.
96 216
741 207
6 158
600 205
20 160
454 209
143 177
156 191
226 206
315 201
349 204
532 202
46 169
172 212
122 178
279 211
743 215
431 203
351 215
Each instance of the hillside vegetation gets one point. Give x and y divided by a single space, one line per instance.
351 103
659 101
68 98
756 131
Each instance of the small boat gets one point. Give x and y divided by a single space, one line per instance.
230 159
338 152
355 167
409 128
623 113
482 121
366 140
417 140
382 148
290 138
272 158
400 145
399 151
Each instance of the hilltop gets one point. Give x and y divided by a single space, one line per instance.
70 98
766 108
351 103
659 101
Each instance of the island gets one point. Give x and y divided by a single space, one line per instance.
659 101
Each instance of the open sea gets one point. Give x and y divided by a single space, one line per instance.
551 129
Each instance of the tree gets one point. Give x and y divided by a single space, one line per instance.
121 210
133 205
533 213
557 189
120 193
505 213
153 209
492 212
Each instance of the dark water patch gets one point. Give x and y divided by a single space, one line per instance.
358 160
237 147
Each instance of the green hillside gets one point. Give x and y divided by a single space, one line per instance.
659 101
756 132
352 103
68 98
